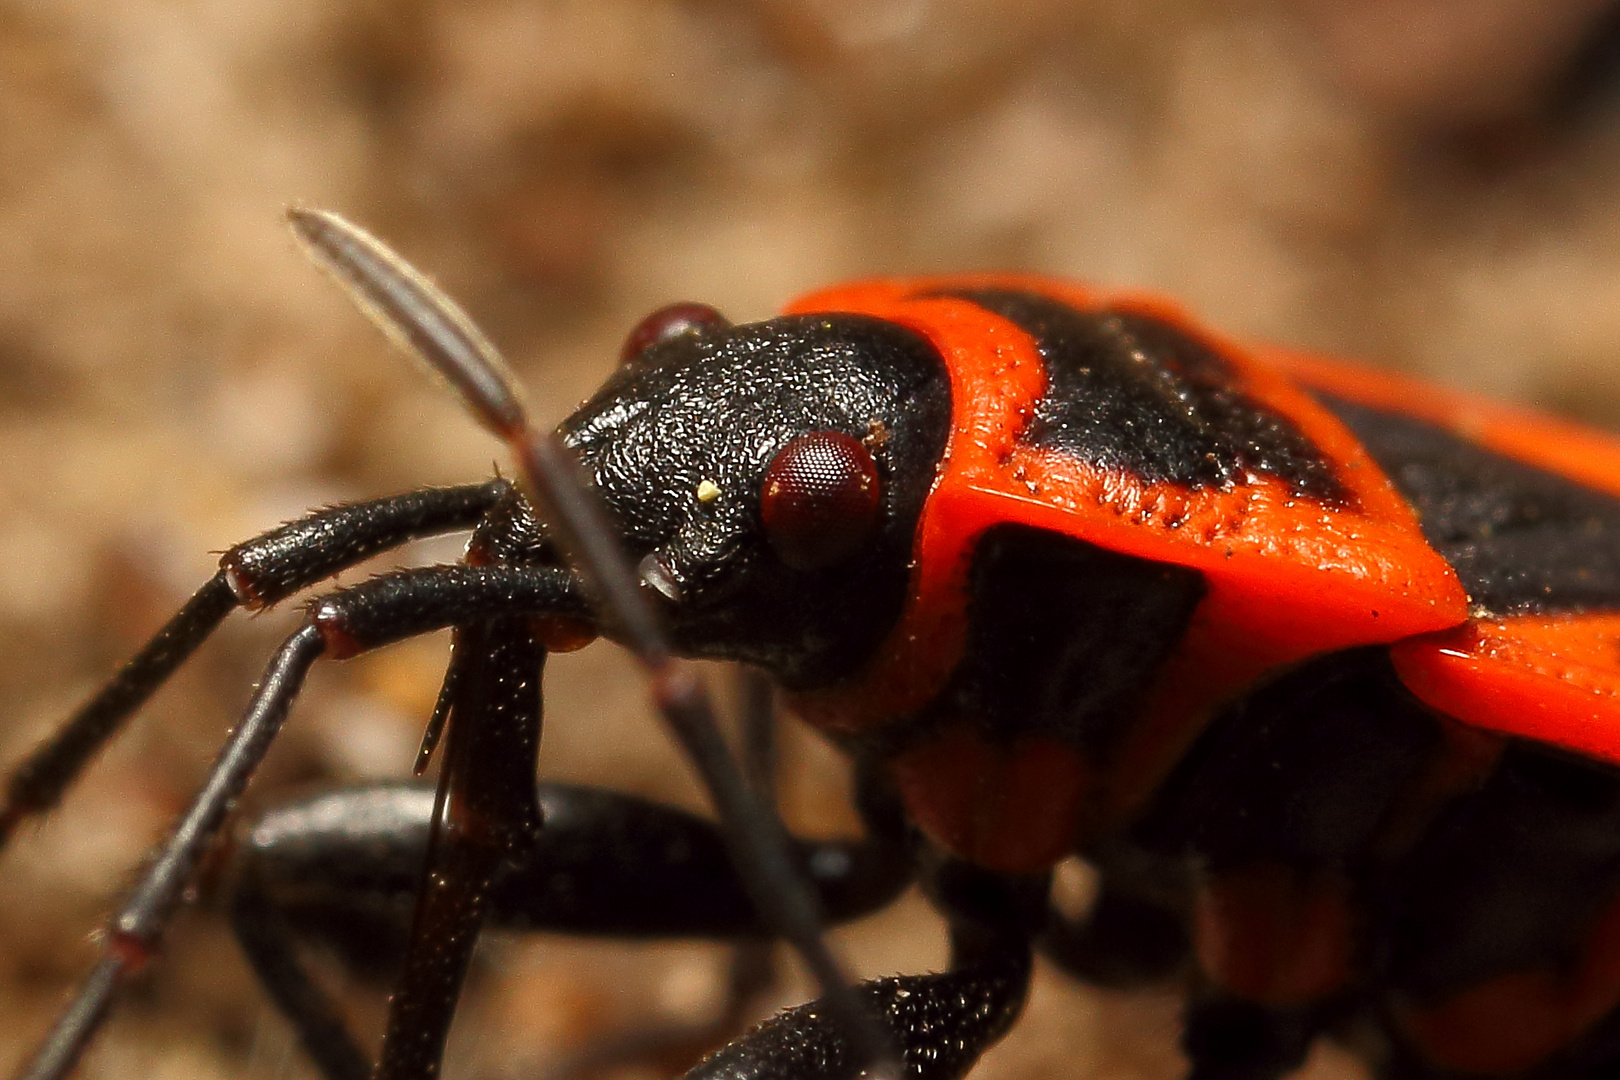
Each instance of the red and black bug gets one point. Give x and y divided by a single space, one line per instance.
1317 668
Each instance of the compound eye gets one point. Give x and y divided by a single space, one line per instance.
821 499
670 321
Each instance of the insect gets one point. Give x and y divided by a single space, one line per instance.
1316 667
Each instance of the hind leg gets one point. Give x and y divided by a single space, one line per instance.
344 867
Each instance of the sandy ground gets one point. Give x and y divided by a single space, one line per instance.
1388 181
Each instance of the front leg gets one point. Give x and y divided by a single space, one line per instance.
342 624
254 574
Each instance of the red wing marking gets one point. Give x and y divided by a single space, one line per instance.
1551 678
1288 576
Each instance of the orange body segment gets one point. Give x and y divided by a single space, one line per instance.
1288 577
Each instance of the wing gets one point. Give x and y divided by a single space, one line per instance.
1527 510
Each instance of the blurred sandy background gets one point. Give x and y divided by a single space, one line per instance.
1430 184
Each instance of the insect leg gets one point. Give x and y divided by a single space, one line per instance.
385 609
38 781
343 866
412 311
1123 942
268 941
757 723
485 814
1229 1038
752 968
480 816
940 1023
254 574
135 931
1134 931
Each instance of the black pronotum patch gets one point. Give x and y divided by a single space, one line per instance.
1130 392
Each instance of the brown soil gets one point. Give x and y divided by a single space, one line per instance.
173 376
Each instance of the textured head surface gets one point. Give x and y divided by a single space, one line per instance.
679 442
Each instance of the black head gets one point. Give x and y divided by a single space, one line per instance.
769 478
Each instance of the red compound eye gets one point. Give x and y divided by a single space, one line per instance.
669 321
820 501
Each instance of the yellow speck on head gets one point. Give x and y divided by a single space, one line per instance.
707 491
